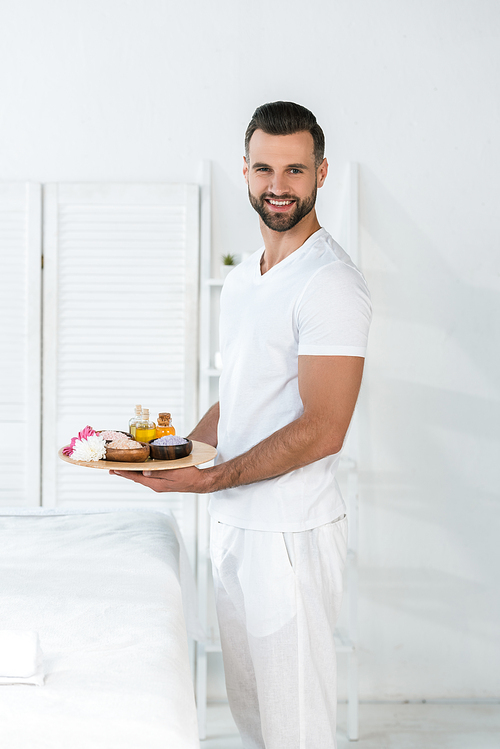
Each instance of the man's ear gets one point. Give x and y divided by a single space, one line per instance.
245 169
322 172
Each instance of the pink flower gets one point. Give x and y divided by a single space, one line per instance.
68 450
87 432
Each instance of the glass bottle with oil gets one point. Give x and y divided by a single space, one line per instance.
134 419
164 426
145 430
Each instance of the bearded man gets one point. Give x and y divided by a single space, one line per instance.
294 325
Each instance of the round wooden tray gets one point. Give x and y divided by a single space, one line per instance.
201 453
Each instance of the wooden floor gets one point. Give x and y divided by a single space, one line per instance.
391 726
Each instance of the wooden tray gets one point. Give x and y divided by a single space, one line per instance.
201 453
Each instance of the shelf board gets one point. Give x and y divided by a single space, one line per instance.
212 646
342 644
347 463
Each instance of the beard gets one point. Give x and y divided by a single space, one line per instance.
283 221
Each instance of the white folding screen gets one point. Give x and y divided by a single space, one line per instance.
120 323
20 320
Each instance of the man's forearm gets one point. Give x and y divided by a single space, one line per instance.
206 429
295 445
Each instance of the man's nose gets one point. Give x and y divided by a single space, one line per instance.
279 184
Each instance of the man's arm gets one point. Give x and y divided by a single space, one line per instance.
328 386
206 429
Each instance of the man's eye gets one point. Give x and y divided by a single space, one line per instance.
263 169
296 171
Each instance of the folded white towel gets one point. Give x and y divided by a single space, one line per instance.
20 657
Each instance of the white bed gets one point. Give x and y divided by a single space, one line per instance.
103 590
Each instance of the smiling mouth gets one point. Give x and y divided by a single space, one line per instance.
279 205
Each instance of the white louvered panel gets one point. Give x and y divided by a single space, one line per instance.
121 278
20 365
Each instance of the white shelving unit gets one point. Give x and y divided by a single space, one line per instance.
345 638
208 388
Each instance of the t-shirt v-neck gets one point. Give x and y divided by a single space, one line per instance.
291 258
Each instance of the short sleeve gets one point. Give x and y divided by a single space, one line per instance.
333 313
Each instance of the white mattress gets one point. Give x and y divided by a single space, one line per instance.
103 591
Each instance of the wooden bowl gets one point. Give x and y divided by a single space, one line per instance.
137 455
170 452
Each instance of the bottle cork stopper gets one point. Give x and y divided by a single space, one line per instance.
164 419
145 412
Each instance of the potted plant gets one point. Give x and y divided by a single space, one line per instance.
228 263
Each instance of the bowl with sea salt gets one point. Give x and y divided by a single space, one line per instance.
170 447
124 449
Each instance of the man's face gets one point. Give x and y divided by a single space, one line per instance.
282 178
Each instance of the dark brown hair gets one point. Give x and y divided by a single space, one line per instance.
286 118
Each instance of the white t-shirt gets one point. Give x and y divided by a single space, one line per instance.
314 302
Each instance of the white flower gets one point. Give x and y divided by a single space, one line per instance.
92 448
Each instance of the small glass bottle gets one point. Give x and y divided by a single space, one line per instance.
132 421
145 430
164 426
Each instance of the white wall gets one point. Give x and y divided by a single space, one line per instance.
144 89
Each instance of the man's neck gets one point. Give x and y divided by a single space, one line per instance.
279 245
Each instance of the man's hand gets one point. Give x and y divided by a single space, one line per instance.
175 480
192 480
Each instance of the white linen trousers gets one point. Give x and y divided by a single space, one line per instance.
278 598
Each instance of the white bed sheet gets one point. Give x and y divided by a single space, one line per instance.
103 591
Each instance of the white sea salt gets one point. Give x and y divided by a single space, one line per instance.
169 439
